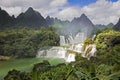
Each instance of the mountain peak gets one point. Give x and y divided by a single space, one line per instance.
83 15
31 18
117 26
82 19
29 10
48 17
119 20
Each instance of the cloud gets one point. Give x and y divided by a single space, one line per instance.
68 13
100 12
57 3
45 7
24 3
13 10
103 11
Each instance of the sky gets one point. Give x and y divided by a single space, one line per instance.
98 11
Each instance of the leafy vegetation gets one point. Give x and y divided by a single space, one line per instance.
25 42
24 64
87 42
105 66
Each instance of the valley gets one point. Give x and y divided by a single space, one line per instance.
33 47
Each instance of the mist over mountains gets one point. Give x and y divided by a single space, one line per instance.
34 19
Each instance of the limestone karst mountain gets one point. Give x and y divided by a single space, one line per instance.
5 19
31 18
117 26
84 24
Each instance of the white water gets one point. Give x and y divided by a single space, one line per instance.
79 38
70 58
57 52
70 39
91 53
62 40
54 52
93 37
41 53
76 46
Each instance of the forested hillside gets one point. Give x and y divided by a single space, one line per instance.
105 66
26 42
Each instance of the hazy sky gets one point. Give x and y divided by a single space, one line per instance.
99 11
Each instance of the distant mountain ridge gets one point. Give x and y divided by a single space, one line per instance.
117 26
33 18
100 26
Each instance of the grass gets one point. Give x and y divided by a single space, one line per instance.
23 64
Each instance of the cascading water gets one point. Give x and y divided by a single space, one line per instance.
70 58
79 37
90 51
41 53
62 40
75 45
93 37
56 52
93 51
70 38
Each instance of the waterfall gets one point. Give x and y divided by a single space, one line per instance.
90 51
79 37
93 37
62 40
41 53
77 47
93 51
70 58
71 40
68 52
56 52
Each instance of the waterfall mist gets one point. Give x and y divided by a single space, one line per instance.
72 34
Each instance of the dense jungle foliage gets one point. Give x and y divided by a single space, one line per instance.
105 66
25 42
